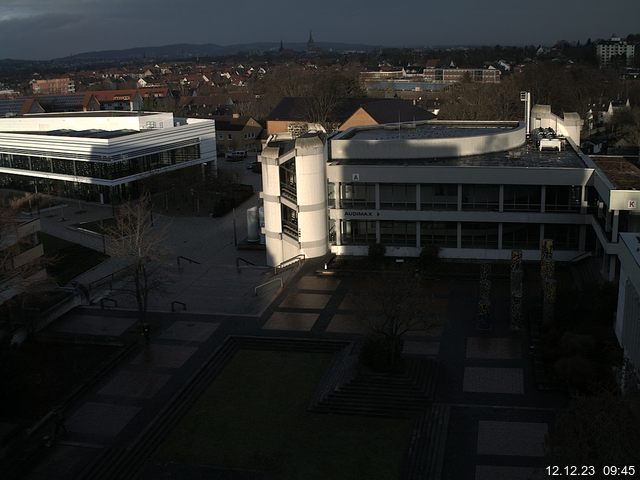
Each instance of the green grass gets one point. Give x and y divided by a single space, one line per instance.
68 260
253 416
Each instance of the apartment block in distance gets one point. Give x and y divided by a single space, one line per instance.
53 86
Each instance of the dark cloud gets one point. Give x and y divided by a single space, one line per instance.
51 28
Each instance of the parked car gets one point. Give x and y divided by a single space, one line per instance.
236 155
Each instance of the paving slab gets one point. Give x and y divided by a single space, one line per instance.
318 283
101 418
80 324
524 439
189 331
430 349
291 321
64 462
163 356
494 472
488 348
135 384
493 380
345 323
306 300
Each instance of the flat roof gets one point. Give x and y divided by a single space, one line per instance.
525 156
427 130
97 113
620 171
93 133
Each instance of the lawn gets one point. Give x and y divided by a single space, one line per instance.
254 416
68 260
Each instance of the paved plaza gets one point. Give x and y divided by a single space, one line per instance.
498 420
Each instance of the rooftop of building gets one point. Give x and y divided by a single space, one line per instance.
427 130
525 156
91 133
621 171
101 113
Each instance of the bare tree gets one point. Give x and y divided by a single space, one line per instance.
391 306
135 238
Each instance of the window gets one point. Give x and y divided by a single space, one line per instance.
522 198
358 195
565 237
358 232
290 222
479 235
399 196
439 234
398 233
481 197
439 196
563 198
525 236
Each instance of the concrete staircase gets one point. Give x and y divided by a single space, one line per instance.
398 395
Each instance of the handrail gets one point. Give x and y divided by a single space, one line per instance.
255 290
176 302
289 262
113 301
190 260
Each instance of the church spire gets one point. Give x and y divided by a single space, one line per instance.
311 46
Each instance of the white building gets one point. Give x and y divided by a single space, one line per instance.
607 51
475 190
99 156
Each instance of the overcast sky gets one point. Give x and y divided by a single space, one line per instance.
43 29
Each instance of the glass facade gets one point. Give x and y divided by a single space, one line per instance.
358 232
481 197
522 198
358 195
395 233
439 196
439 234
565 237
562 198
479 235
398 196
522 236
102 170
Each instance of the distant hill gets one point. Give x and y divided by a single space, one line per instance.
187 50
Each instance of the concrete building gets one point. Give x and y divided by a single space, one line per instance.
237 133
20 250
53 86
99 156
475 190
615 48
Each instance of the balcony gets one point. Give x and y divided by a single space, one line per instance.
291 229
289 192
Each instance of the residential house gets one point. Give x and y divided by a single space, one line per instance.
234 132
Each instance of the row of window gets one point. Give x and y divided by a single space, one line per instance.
524 236
400 196
104 170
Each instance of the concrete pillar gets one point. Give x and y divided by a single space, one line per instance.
459 234
339 232
377 196
500 234
614 227
418 239
613 262
501 202
583 200
418 207
541 236
543 197
582 238
378 237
